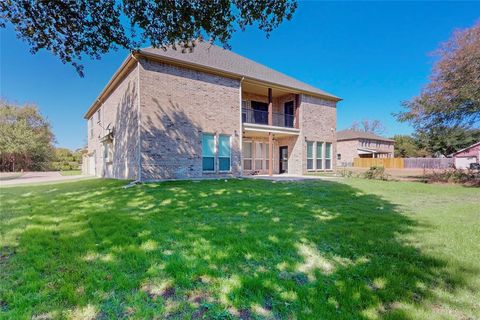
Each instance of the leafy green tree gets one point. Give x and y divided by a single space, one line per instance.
26 139
407 146
72 29
452 98
65 159
444 141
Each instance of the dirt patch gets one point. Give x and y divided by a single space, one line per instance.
168 293
200 312
245 314
6 253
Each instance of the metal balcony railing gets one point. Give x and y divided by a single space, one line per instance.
261 117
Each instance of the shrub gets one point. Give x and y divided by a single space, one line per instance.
345 173
376 173
471 177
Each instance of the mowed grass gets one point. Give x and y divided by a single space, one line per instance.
240 249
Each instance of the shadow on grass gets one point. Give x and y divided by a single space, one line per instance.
212 249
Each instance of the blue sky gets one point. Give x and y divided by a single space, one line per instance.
372 54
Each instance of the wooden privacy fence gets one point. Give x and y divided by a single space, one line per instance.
390 163
407 163
429 163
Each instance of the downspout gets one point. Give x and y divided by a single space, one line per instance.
241 129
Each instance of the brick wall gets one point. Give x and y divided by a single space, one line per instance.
119 110
318 123
348 151
177 105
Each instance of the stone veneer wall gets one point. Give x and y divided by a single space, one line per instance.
119 110
177 105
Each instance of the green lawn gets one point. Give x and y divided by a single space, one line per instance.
248 249
71 173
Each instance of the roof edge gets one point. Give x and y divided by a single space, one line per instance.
133 57
380 139
111 84
232 74
461 150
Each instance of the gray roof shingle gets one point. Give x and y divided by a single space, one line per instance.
216 58
350 134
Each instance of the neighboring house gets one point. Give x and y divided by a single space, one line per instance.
359 144
463 158
207 113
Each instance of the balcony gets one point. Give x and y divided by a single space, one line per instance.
260 117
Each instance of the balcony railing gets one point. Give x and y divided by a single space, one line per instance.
261 117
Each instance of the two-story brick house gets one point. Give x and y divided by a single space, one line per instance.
358 144
207 113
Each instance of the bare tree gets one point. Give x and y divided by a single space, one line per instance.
367 125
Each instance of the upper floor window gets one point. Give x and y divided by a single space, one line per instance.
90 125
99 116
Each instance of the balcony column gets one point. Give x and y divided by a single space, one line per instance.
297 111
270 134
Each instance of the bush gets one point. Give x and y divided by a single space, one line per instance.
345 173
471 177
376 173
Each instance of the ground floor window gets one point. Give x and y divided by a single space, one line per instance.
328 155
309 155
208 152
224 152
108 151
319 156
259 155
247 155
267 156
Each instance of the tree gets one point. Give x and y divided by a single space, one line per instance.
452 98
444 140
407 146
366 125
71 29
65 159
26 139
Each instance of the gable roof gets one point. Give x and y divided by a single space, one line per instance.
210 56
350 134
464 149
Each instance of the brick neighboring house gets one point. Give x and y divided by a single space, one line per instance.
207 113
358 144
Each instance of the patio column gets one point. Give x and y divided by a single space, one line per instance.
270 135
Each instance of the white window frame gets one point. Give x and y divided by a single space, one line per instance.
90 124
322 158
267 155
251 155
313 155
330 156
260 157
218 152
